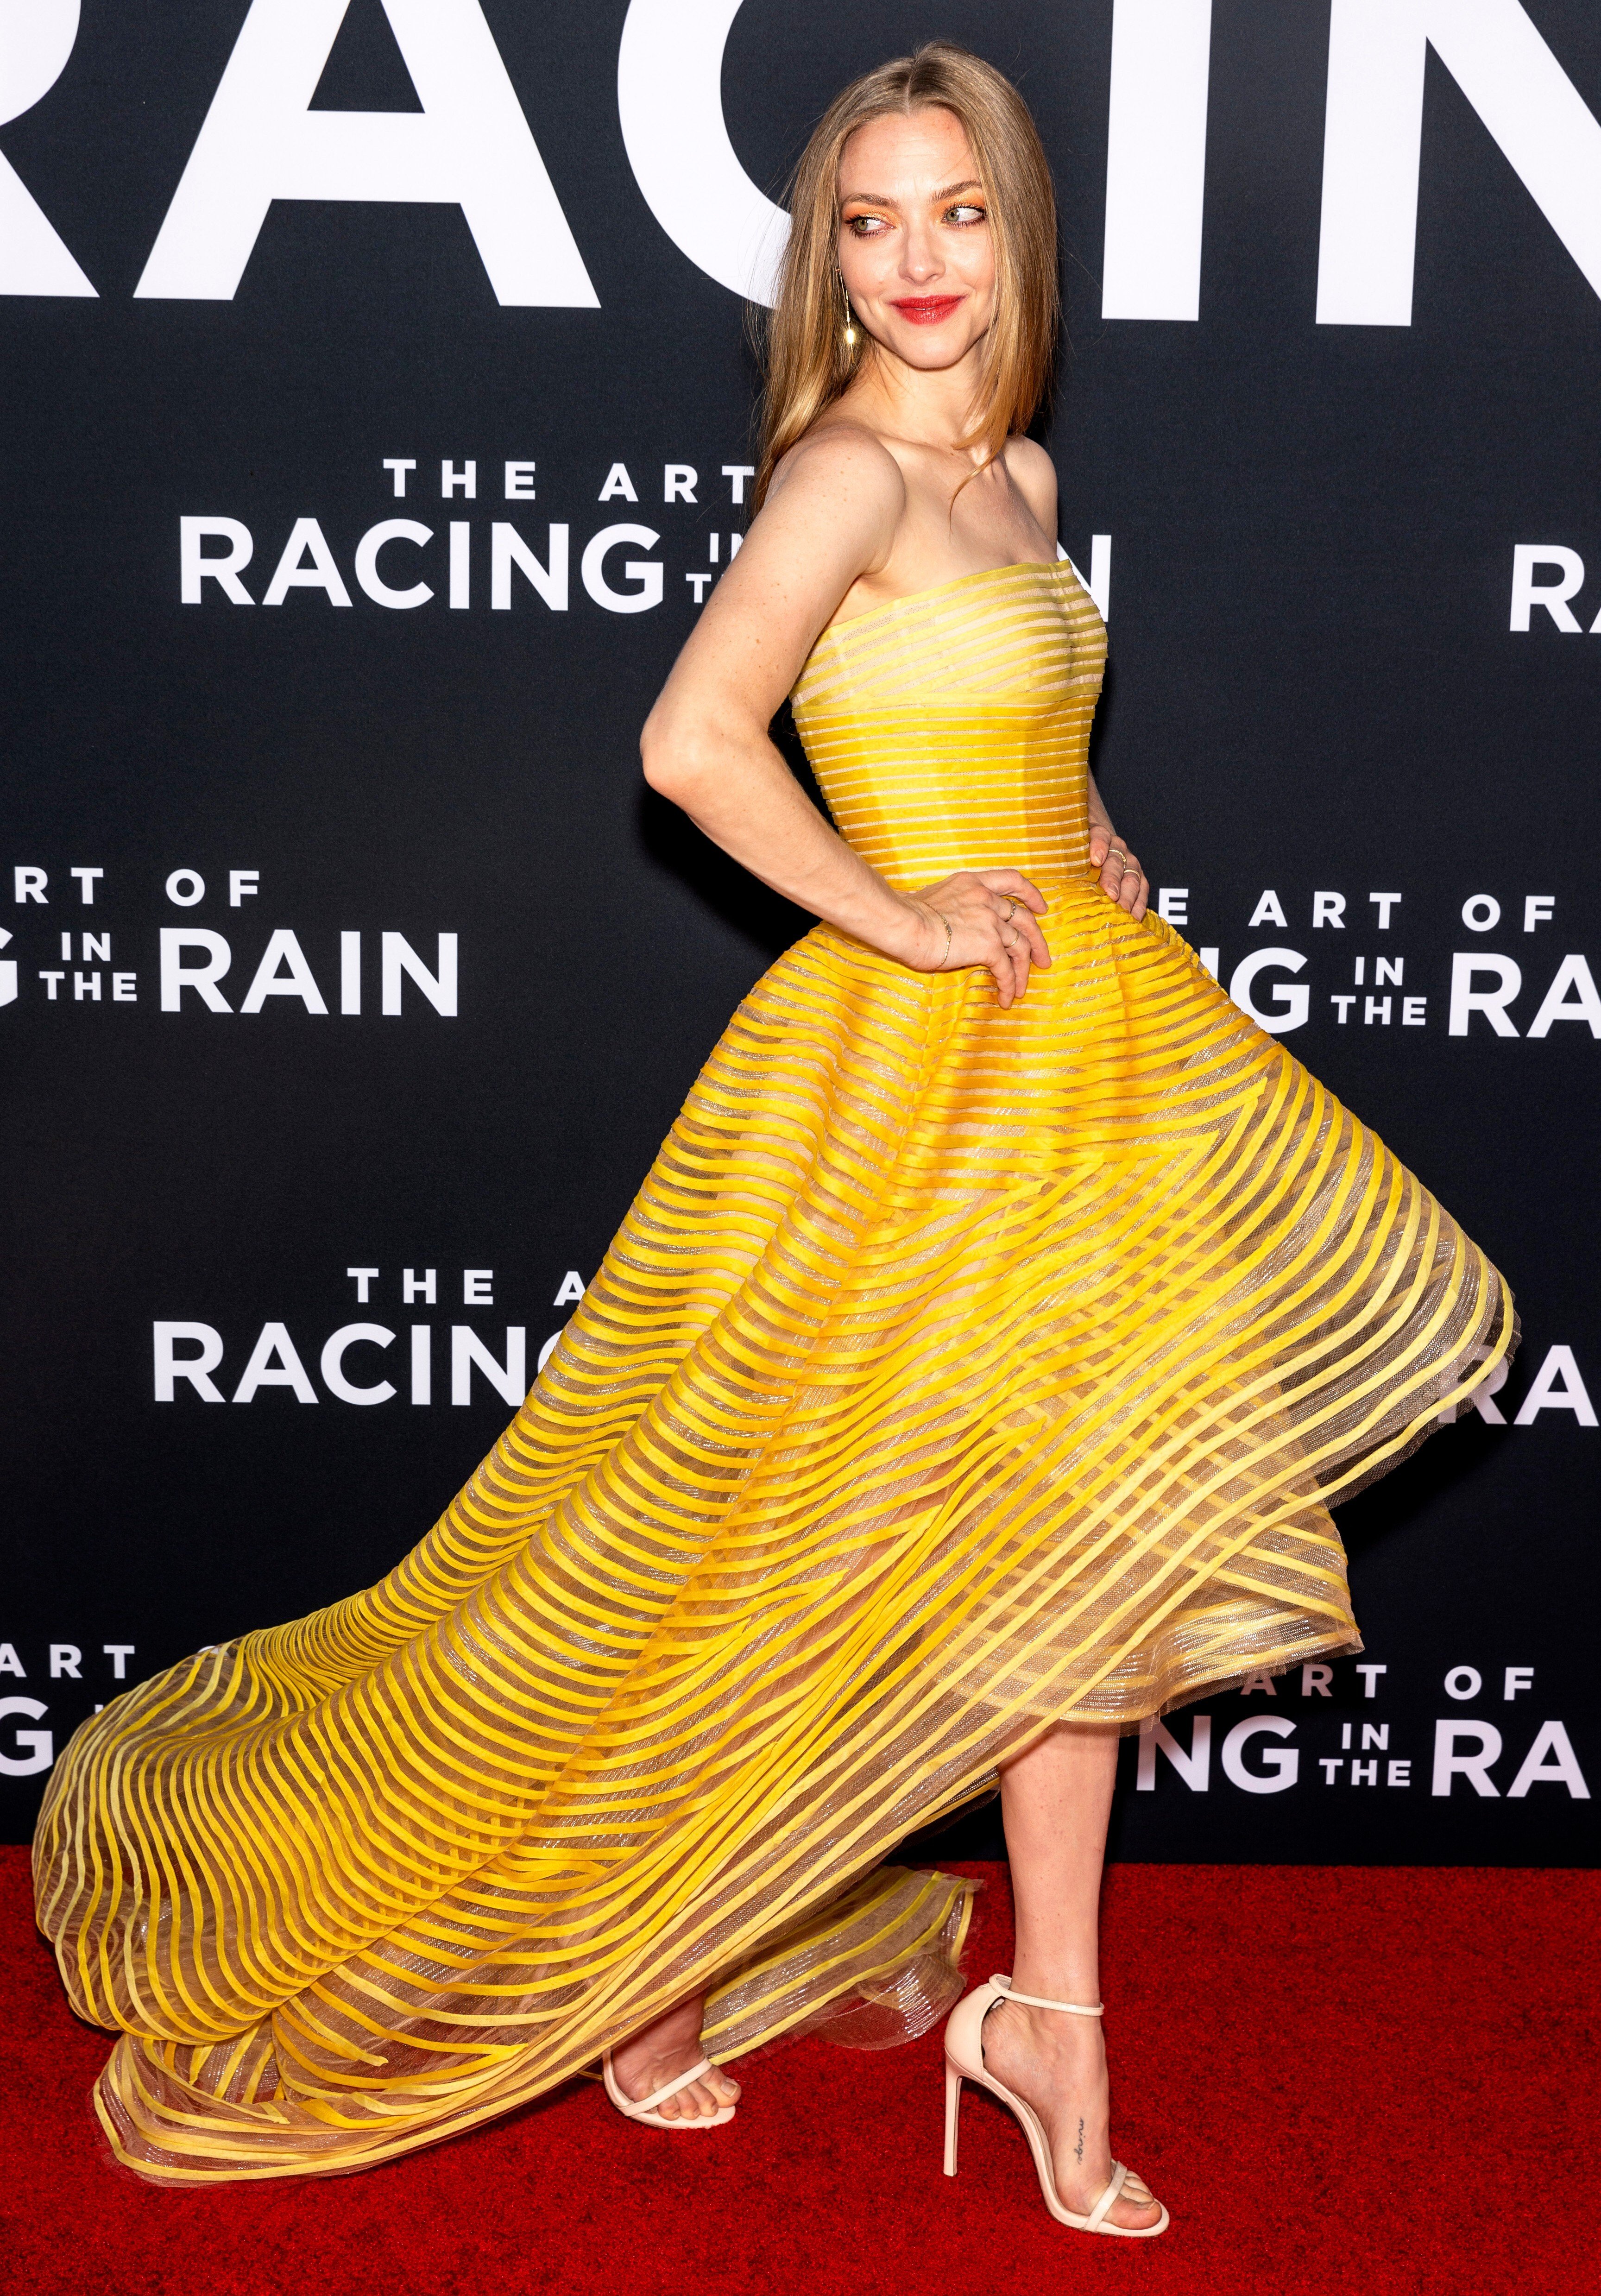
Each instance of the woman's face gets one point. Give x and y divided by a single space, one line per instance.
915 250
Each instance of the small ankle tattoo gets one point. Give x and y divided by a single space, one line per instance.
1078 2147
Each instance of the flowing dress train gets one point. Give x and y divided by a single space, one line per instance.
955 1372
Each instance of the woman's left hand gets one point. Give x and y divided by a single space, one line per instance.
1122 880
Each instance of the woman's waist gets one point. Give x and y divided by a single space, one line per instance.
916 810
1093 941
907 855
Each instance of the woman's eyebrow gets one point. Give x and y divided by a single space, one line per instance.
883 199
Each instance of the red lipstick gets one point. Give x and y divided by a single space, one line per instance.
926 311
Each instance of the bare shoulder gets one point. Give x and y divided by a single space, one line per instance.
841 461
830 516
1034 475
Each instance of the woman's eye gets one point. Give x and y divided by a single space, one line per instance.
865 226
965 213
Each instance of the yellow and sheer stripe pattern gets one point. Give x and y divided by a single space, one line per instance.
956 1371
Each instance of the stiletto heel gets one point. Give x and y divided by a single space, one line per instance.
965 2061
953 2114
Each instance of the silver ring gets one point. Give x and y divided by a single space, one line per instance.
1121 856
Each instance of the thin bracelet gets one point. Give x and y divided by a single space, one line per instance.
944 960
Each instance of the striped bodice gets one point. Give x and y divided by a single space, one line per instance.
951 729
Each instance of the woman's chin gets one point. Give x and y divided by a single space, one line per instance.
929 349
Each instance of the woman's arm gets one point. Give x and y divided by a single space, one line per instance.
831 516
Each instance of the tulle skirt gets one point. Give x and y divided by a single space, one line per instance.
957 1371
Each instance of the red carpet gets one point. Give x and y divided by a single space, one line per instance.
1339 2080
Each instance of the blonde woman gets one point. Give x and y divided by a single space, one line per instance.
968 1383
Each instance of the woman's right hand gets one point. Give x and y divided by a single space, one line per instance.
990 913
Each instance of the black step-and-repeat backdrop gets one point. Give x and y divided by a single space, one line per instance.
376 421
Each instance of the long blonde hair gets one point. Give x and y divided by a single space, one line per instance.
808 363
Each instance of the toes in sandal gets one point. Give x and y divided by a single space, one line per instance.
645 2109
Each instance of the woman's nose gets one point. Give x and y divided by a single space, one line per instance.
919 257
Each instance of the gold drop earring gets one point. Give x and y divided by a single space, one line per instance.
848 330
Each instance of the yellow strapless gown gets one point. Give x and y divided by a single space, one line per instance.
956 1370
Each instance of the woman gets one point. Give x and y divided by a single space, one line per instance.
968 1382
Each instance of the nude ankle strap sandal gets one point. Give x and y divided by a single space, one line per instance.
965 2061
645 2110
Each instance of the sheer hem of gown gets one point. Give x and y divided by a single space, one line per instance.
956 1372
